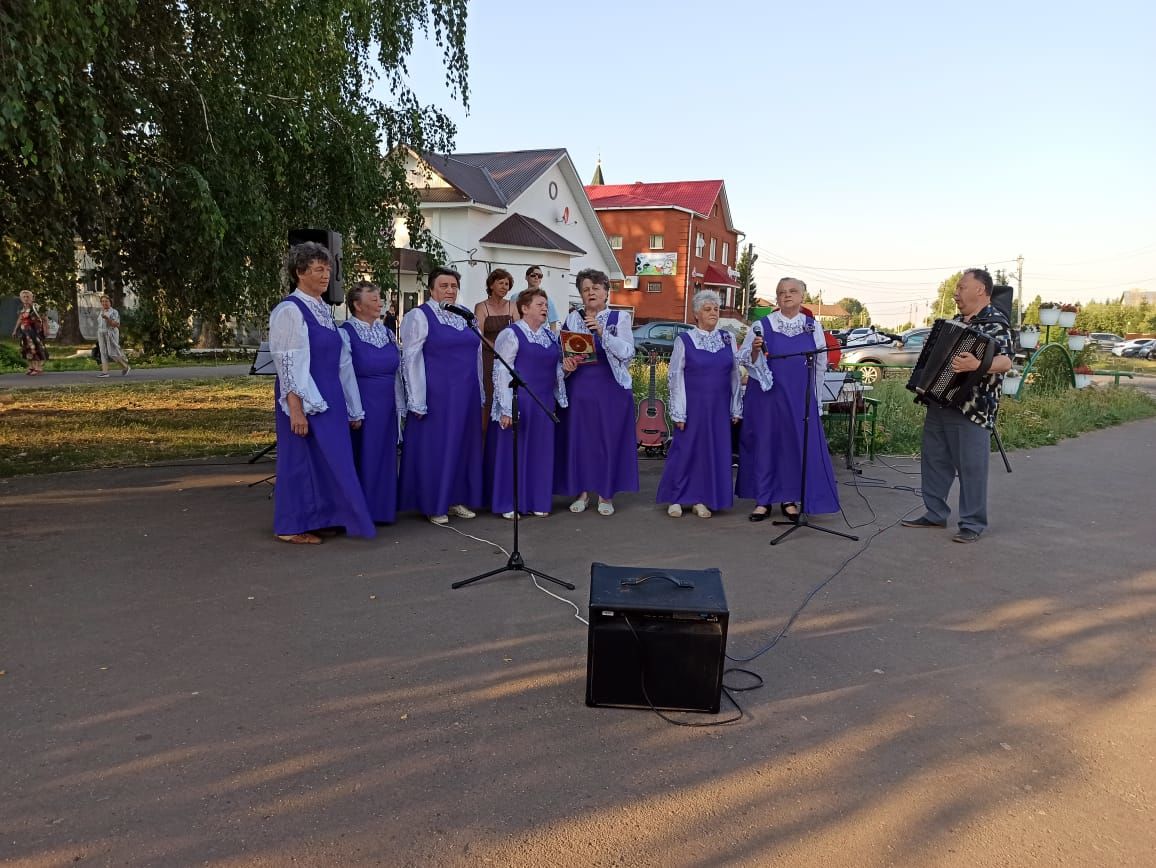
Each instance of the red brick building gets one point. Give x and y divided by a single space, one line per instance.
671 240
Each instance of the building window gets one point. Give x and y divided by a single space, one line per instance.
699 244
654 286
713 249
726 253
615 242
656 242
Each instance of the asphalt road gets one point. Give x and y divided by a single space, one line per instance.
177 688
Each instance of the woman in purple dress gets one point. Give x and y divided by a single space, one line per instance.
317 403
705 383
375 362
596 449
771 440
533 349
441 461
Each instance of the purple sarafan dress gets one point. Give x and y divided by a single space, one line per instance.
441 460
596 449
704 390
540 367
771 441
317 485
375 361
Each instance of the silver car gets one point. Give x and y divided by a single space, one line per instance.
874 358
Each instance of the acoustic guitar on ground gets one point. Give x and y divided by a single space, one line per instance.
651 427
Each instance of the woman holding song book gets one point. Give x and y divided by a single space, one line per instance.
532 348
771 440
596 451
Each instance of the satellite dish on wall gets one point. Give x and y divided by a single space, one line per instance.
565 216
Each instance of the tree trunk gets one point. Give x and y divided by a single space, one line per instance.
210 337
70 320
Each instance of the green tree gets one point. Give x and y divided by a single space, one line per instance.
944 306
747 286
178 141
858 313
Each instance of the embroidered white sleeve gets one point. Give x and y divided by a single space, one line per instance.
677 381
736 384
758 369
289 347
620 344
414 331
349 380
507 347
821 359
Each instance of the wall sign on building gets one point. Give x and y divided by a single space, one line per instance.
656 263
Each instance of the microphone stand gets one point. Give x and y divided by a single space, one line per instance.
809 399
516 563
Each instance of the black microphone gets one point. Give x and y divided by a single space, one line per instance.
758 330
464 313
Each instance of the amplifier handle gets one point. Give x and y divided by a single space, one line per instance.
678 583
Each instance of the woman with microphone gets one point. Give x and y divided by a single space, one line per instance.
441 461
596 450
771 440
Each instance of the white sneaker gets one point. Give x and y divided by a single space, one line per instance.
439 519
579 505
462 511
508 516
674 510
701 511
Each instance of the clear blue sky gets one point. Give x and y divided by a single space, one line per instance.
871 149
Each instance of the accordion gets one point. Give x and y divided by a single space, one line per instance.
933 380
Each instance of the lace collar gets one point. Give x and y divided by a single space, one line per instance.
318 308
796 325
445 317
543 337
374 333
711 341
601 317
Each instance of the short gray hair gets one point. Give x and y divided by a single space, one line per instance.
705 296
596 277
300 257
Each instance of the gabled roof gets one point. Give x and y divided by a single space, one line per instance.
696 196
494 178
517 230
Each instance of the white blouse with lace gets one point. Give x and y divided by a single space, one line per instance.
788 327
289 347
377 335
617 341
414 331
714 341
507 346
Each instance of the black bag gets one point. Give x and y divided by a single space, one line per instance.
95 353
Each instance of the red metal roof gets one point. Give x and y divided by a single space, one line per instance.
697 196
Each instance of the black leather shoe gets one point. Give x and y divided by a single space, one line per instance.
965 536
790 516
760 516
922 521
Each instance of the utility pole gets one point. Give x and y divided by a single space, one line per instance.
1019 291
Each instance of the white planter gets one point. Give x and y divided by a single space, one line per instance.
1067 318
1029 340
1077 342
1083 381
1049 315
1011 385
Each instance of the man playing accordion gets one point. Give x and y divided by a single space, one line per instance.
957 439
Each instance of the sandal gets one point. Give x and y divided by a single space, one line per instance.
580 504
300 539
605 507
760 516
790 516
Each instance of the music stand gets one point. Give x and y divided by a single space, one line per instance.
262 367
516 563
809 399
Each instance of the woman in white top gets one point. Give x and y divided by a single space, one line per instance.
108 338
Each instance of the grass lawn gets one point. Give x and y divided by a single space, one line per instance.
69 428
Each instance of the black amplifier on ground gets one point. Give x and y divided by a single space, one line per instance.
657 638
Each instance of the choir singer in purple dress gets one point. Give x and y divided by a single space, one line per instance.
705 401
376 359
596 450
317 402
771 440
441 461
531 347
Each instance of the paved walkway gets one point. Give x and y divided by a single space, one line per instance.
78 378
180 689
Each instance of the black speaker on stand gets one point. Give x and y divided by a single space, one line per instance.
1003 300
335 293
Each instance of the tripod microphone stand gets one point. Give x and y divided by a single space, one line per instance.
516 563
809 400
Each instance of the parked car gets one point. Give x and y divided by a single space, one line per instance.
1131 349
869 339
1148 352
1104 340
856 334
876 357
658 336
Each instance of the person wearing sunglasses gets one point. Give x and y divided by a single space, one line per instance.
534 276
